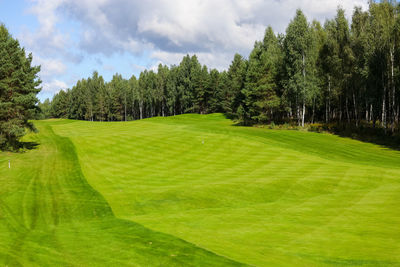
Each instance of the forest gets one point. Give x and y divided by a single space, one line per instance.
344 71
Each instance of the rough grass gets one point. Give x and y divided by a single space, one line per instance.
51 216
257 196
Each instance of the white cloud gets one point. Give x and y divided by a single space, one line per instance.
181 26
53 86
49 66
47 38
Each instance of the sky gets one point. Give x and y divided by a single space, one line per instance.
72 38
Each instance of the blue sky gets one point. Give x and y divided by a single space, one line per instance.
72 38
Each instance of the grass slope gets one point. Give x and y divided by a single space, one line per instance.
258 196
50 216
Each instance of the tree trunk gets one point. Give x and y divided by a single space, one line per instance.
329 97
383 105
384 108
326 111
141 109
313 111
355 108
347 110
370 113
125 108
298 111
133 107
393 87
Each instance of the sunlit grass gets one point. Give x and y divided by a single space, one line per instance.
258 196
51 216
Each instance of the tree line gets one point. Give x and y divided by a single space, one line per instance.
341 71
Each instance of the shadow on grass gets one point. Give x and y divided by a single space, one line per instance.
28 145
388 141
20 147
364 132
236 121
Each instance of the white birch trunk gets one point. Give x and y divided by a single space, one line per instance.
125 107
370 113
355 108
393 86
141 109
384 107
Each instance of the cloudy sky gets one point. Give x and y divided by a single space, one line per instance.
72 38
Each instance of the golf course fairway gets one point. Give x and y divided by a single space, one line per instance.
195 190
50 216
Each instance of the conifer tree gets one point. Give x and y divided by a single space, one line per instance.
260 90
18 89
236 79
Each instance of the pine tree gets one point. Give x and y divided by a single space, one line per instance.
172 91
44 111
133 88
60 105
18 89
200 81
218 101
99 97
162 74
237 76
260 90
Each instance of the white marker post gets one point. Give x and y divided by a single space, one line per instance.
9 164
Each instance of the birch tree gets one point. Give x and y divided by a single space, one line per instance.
299 63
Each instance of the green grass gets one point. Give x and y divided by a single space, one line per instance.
256 196
51 216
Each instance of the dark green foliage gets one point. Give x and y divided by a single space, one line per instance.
18 88
44 110
236 81
220 98
161 91
60 107
260 92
